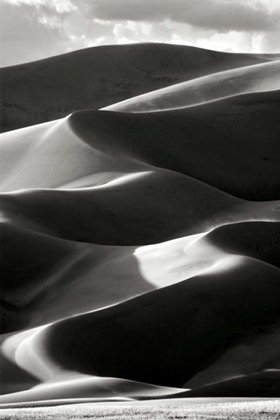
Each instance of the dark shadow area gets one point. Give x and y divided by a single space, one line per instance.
257 385
44 279
231 144
103 75
260 240
167 336
153 208
13 378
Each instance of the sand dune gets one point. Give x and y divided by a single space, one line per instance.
230 144
155 211
249 327
240 149
181 329
256 385
57 278
251 79
81 386
140 250
50 156
103 76
256 240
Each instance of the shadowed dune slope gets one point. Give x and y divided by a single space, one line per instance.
256 385
100 76
257 240
256 78
232 144
167 336
44 278
145 210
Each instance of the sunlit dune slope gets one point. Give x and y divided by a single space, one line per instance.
82 386
251 79
232 145
51 155
45 278
169 335
96 77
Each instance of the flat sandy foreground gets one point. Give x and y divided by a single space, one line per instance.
159 410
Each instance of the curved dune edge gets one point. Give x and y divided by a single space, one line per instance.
160 212
88 277
92 149
158 233
50 366
213 142
182 313
266 383
76 388
192 249
252 79
137 69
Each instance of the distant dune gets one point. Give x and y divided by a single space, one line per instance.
140 242
101 76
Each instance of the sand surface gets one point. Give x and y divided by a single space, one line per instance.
201 408
140 243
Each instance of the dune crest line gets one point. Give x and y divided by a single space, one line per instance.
140 227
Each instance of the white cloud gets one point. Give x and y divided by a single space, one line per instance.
24 38
60 6
232 41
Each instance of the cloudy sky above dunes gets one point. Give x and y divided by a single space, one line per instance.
35 29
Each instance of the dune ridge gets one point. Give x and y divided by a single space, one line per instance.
140 243
252 79
103 76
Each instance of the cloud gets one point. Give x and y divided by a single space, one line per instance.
268 42
35 29
212 14
24 38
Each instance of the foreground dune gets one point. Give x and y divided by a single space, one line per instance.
183 315
80 386
140 250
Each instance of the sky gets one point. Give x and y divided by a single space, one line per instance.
35 29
